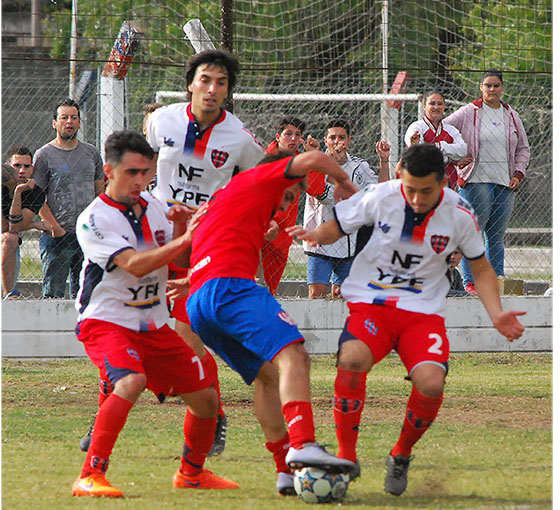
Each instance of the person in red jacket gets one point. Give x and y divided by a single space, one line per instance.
274 255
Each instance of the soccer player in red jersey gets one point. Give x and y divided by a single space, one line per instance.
243 323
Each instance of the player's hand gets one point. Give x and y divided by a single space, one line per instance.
415 138
311 144
272 232
179 213
196 219
508 325
302 234
343 190
179 288
383 150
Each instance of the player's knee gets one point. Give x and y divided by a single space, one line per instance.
431 387
130 386
203 403
355 356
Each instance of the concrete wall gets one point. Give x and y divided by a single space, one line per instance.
45 328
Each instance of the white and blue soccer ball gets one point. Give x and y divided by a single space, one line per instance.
315 485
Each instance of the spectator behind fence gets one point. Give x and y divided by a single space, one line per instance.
431 129
21 201
71 174
498 154
456 289
335 260
289 139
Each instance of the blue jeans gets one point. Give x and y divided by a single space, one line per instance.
61 256
320 270
493 205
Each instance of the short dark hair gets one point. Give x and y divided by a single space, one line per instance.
431 93
423 159
342 123
121 142
66 102
492 72
20 150
290 120
151 108
220 58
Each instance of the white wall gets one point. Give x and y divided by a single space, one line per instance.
45 328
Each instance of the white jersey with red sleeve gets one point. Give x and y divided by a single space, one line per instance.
193 164
405 264
107 292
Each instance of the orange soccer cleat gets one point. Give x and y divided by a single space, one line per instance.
203 480
95 485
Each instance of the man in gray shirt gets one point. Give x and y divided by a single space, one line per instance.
71 174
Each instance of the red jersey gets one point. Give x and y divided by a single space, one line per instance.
230 237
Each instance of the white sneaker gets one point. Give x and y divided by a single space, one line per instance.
285 484
314 455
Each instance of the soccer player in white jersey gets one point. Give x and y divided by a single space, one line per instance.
396 295
128 240
200 147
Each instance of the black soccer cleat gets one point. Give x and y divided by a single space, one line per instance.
219 437
86 440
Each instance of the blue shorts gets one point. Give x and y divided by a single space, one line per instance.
242 323
320 269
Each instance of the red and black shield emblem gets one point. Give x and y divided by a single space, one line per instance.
219 158
160 237
439 243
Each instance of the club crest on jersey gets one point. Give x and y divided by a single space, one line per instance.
286 317
439 243
132 353
219 158
160 237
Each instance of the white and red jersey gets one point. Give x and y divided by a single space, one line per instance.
228 241
193 164
107 292
406 260
445 137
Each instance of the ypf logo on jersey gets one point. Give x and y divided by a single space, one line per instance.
439 243
219 158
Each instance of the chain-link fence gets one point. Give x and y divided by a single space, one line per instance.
290 48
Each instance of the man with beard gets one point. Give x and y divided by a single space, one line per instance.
71 174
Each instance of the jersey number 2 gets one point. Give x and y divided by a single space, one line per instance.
435 347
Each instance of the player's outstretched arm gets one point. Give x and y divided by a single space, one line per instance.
304 163
326 233
487 288
383 150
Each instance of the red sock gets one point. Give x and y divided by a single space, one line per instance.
105 389
109 422
421 411
279 449
199 436
299 417
349 396
211 370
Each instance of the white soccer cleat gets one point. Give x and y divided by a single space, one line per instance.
285 484
314 455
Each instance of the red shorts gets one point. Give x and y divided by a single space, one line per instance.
416 337
179 306
170 365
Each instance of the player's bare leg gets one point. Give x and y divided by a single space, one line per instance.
318 290
423 405
268 410
211 369
294 364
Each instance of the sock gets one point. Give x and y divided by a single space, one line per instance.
279 449
199 436
211 370
421 411
348 404
108 424
105 389
299 417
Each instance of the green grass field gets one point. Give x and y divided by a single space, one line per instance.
491 447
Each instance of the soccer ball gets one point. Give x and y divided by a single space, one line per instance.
315 485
